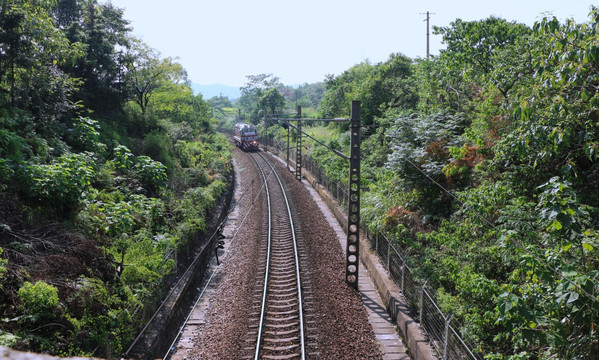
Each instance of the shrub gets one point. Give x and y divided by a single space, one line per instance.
123 158
156 145
62 183
6 173
98 318
152 174
40 300
85 135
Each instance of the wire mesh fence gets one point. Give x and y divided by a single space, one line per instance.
443 334
337 189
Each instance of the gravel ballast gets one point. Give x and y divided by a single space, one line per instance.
342 330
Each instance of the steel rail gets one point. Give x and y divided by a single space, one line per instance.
297 269
182 327
265 289
266 275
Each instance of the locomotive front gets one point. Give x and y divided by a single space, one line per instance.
246 136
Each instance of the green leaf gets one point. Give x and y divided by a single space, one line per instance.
587 246
573 297
555 225
567 247
585 95
532 325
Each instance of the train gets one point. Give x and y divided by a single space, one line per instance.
246 136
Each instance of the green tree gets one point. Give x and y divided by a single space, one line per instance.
551 150
220 102
33 51
252 93
341 90
146 73
487 50
378 87
271 99
306 95
103 32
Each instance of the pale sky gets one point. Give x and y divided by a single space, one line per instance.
222 41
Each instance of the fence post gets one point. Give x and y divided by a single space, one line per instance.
446 339
422 303
388 252
403 275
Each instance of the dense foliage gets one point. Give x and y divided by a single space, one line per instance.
483 165
481 162
109 166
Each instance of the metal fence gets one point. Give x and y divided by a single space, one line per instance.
337 189
441 329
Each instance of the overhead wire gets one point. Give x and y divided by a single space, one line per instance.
337 152
512 240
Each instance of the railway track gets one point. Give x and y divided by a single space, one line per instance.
280 306
279 319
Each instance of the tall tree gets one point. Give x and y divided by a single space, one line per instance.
253 91
271 99
33 49
146 73
377 86
487 50
103 31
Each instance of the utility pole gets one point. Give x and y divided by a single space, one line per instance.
428 17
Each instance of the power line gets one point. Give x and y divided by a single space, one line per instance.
513 241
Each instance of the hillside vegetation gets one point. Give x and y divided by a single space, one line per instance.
109 167
483 164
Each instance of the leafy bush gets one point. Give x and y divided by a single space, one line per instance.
8 339
98 317
123 157
6 174
63 182
152 174
85 135
40 300
157 145
13 146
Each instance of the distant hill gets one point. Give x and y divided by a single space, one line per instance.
209 91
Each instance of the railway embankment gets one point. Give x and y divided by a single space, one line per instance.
157 336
